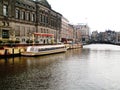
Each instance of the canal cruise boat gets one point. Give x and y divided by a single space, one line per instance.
43 50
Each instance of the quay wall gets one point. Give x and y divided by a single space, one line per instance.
73 46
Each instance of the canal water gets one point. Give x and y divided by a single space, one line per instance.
94 67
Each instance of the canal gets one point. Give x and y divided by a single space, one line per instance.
94 67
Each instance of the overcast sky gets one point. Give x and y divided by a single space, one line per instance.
98 14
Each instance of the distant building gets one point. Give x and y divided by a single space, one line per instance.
94 36
77 35
69 33
84 32
64 30
71 30
108 36
117 38
29 20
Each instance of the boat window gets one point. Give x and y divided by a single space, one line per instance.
47 48
31 49
41 40
39 50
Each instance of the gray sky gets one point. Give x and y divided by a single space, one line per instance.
98 14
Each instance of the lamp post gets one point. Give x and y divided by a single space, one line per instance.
33 38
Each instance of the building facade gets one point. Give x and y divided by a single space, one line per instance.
107 37
71 33
84 32
94 36
117 38
64 30
24 20
77 34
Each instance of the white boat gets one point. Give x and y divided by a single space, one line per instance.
44 50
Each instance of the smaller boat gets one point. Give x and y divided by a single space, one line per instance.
43 50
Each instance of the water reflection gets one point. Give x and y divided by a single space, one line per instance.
95 67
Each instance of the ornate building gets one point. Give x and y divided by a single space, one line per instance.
29 20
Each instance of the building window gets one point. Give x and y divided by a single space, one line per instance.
47 31
41 30
18 39
5 10
17 31
17 13
22 31
23 40
41 18
23 15
5 34
33 17
46 19
28 16
28 31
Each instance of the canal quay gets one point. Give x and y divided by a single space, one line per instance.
93 67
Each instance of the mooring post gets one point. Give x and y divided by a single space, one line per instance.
13 51
5 52
19 51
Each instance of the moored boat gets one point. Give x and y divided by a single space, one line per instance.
43 50
11 51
